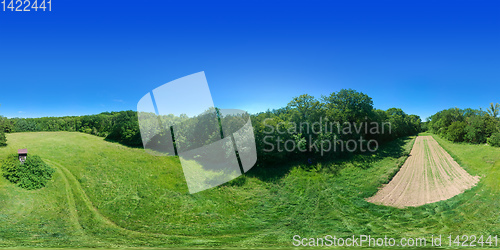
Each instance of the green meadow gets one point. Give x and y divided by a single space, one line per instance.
106 195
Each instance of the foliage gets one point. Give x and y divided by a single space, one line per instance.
32 174
401 123
494 110
306 122
122 124
349 106
4 127
3 139
494 140
465 125
456 131
479 128
126 129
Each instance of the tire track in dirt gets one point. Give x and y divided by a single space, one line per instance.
428 175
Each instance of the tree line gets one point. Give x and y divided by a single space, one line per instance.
118 126
350 112
467 125
305 123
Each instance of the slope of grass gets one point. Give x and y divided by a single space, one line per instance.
107 195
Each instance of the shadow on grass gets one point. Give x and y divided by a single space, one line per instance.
332 163
124 144
270 172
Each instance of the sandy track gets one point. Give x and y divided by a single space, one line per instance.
429 175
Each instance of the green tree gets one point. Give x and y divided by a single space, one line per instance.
401 123
494 140
494 110
305 108
348 106
456 131
3 139
479 128
3 128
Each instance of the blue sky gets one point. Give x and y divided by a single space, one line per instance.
86 57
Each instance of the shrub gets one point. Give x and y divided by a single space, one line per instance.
479 128
33 174
494 140
3 139
456 131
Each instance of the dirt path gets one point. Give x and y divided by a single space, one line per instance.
429 175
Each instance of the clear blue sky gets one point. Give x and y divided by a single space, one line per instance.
86 57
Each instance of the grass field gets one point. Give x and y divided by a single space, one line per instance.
104 194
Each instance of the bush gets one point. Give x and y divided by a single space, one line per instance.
33 174
479 128
456 131
494 140
3 139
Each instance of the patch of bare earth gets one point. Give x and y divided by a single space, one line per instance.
429 175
